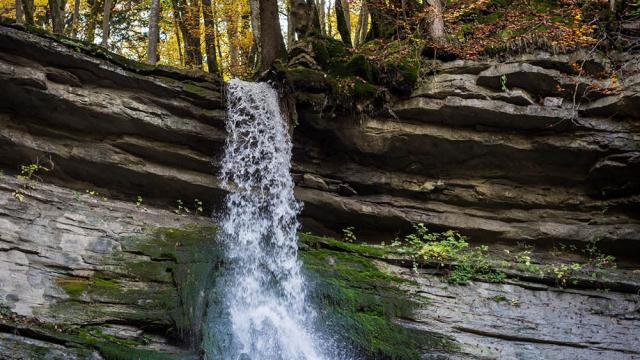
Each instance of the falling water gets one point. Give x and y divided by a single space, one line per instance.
263 290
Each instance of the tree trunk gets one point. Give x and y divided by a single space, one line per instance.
188 17
346 7
210 37
343 24
75 21
436 23
271 42
106 22
254 54
27 8
362 25
56 9
19 12
193 25
179 20
322 16
154 32
176 28
291 33
216 30
232 35
329 29
92 20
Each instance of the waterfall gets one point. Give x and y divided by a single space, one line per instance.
263 292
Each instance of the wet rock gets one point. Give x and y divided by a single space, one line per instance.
314 181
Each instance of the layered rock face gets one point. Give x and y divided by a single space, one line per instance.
530 149
117 125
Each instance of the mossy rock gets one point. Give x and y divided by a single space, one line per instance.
164 290
360 302
357 65
327 51
303 79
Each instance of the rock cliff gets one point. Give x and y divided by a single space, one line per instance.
103 249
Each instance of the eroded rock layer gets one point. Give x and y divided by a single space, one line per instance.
504 151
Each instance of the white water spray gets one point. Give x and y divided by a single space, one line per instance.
264 297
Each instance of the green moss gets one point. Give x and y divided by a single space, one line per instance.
357 65
189 259
362 249
75 287
327 50
177 245
361 302
197 90
542 6
490 19
304 79
177 265
410 71
363 90
111 351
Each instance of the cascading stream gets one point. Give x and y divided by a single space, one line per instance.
263 289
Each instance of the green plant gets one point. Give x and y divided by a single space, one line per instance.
503 83
181 208
598 259
28 178
525 263
564 272
198 206
451 249
92 192
348 235
475 264
445 247
138 201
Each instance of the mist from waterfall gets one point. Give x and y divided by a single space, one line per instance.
264 315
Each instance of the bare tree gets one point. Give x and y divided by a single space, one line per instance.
106 22
154 32
210 37
271 42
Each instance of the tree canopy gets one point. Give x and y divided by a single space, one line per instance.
238 38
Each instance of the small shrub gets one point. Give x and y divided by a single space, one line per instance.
29 178
451 249
198 206
181 208
348 235
563 273
525 263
